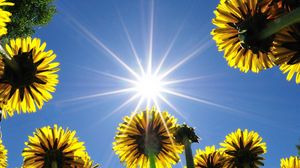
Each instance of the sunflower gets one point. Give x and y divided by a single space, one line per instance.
238 24
286 51
148 133
243 148
29 85
209 158
4 17
3 156
56 146
292 162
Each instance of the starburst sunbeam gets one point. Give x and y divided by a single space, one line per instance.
197 100
115 92
170 47
133 50
100 44
148 85
178 81
106 74
172 106
187 58
130 100
150 49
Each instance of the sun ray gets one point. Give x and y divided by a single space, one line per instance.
168 131
133 50
100 44
115 92
170 47
148 103
187 58
150 49
156 104
118 77
121 106
172 106
199 100
107 74
136 110
109 160
139 104
177 81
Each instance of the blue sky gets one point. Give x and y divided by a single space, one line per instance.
263 102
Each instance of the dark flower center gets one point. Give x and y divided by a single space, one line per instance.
150 140
25 74
54 156
211 163
246 154
249 30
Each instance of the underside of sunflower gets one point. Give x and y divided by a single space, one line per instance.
56 147
239 23
144 135
29 84
243 149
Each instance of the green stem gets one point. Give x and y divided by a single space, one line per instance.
188 153
54 164
152 160
280 23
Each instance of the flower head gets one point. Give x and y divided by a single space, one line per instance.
5 17
185 132
243 148
145 133
292 162
238 24
54 145
209 158
29 85
3 156
286 51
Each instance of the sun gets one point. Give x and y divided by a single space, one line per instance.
149 86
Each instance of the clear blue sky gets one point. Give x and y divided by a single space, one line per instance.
263 102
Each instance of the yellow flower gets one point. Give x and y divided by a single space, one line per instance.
3 156
50 146
88 163
292 162
243 148
4 17
209 158
149 131
238 24
30 85
286 51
